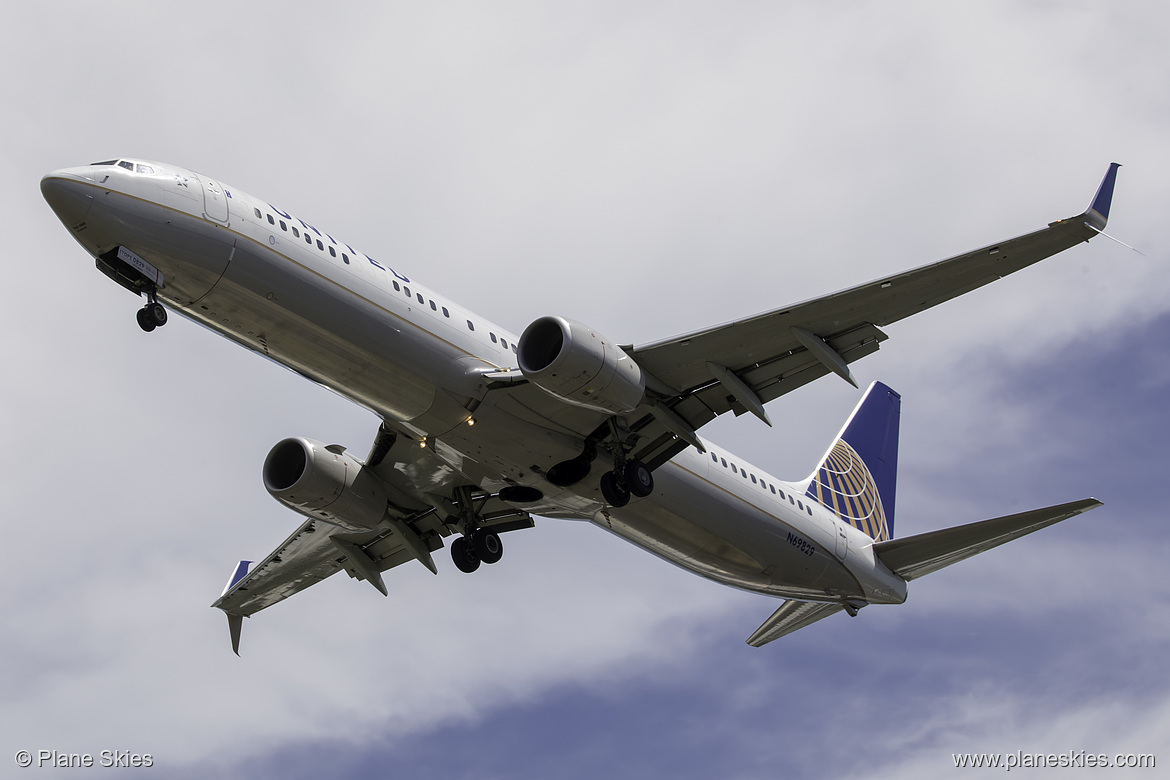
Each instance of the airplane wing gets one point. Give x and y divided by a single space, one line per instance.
741 365
318 550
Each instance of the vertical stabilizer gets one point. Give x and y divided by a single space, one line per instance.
857 478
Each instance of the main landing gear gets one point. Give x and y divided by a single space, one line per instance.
630 477
481 546
152 315
477 545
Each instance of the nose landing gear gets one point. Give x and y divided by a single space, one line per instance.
152 315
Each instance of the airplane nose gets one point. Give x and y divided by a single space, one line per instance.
69 192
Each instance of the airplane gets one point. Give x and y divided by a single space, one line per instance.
481 431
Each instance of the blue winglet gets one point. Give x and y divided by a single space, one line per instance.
238 574
1104 196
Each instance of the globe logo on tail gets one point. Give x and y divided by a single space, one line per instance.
844 485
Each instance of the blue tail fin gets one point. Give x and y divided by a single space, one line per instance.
858 476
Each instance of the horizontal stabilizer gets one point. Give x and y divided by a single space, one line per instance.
914 556
791 616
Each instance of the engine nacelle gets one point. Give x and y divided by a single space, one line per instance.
324 483
579 365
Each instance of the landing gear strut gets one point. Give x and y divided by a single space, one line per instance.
152 315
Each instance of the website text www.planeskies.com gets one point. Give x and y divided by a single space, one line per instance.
1068 759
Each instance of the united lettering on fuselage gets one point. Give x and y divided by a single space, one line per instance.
481 431
306 226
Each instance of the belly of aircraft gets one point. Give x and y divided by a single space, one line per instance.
692 523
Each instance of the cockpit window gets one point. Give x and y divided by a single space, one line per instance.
145 169
127 165
105 162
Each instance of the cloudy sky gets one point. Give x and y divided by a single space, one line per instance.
648 168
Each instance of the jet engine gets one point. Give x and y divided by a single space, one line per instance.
324 483
579 365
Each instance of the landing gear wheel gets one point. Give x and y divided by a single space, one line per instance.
157 313
615 493
464 555
639 480
145 321
487 545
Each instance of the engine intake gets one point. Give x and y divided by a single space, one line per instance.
577 364
324 483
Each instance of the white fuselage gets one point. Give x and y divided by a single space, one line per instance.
367 330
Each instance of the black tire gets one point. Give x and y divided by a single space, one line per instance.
464 555
487 545
639 480
615 493
145 321
157 313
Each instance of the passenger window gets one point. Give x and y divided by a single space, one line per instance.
319 244
800 505
258 214
420 298
470 325
494 339
714 457
345 258
809 510
271 221
407 291
446 313
753 479
396 287
724 460
308 239
296 232
434 307
773 488
791 501
504 343
283 226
